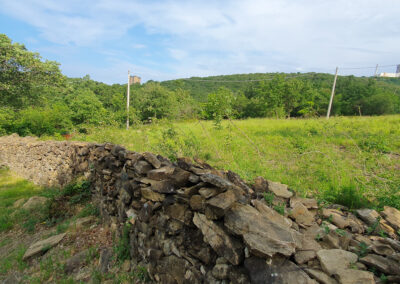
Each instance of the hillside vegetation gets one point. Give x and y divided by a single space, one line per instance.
351 161
37 99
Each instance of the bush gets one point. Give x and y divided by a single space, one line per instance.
41 121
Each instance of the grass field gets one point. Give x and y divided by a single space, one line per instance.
348 160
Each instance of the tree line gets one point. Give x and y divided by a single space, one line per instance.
37 99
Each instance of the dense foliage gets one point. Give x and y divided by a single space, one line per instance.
36 99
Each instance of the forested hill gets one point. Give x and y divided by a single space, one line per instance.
200 87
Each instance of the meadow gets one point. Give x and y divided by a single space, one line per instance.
354 161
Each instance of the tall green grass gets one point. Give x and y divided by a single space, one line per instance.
351 160
12 188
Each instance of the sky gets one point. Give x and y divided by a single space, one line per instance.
163 40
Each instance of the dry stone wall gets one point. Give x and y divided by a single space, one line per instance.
190 223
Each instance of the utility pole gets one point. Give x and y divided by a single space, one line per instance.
332 94
376 70
127 101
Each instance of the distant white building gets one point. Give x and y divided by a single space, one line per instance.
391 75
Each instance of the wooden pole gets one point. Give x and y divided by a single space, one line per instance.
127 101
332 94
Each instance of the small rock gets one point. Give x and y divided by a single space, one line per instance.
260 184
207 192
161 173
369 216
307 202
320 276
197 202
351 276
126 266
334 259
222 202
336 218
151 195
301 214
279 189
386 265
221 271
34 202
75 261
152 159
42 246
218 182
142 167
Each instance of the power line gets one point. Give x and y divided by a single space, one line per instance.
371 67
241 81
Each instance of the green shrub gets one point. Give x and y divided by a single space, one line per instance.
40 121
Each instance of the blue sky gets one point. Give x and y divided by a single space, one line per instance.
163 40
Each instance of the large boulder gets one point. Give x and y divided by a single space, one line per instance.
263 237
223 244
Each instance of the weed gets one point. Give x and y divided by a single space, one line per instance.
318 237
326 228
89 210
382 234
63 227
269 198
347 195
141 273
374 226
362 249
13 260
340 232
280 209
383 278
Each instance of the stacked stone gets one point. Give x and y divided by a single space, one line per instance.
190 223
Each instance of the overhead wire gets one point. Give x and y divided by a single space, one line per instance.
241 81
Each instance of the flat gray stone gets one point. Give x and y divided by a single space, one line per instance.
262 236
352 276
42 246
34 201
334 259
279 189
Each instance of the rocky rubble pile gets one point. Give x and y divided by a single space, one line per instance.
190 223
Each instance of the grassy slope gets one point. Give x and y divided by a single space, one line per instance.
12 188
341 160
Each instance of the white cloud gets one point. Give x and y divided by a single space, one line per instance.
214 37
138 45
